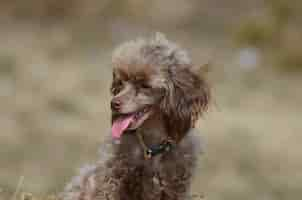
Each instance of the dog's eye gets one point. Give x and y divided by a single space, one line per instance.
145 86
119 83
117 87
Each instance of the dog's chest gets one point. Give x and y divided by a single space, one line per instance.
161 175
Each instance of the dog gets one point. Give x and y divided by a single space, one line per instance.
157 97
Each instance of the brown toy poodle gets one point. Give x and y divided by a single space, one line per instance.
157 97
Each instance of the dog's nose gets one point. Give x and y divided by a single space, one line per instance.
115 104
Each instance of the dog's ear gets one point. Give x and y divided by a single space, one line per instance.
187 97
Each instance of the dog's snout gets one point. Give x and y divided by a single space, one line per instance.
115 104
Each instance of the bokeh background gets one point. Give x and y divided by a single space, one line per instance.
55 74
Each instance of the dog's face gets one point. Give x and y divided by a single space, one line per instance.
156 77
136 93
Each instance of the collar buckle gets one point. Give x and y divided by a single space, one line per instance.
149 152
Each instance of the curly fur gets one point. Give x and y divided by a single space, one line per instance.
178 95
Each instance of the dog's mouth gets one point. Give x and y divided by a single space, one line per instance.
129 121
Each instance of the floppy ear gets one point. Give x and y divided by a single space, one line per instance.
187 97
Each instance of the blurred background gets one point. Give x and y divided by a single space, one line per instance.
55 74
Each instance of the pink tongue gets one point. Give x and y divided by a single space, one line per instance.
119 125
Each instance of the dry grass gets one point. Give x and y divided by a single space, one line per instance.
54 114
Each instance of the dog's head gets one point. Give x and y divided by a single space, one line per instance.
156 77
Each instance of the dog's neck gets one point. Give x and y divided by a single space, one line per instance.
153 132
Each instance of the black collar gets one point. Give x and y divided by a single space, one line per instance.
149 152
